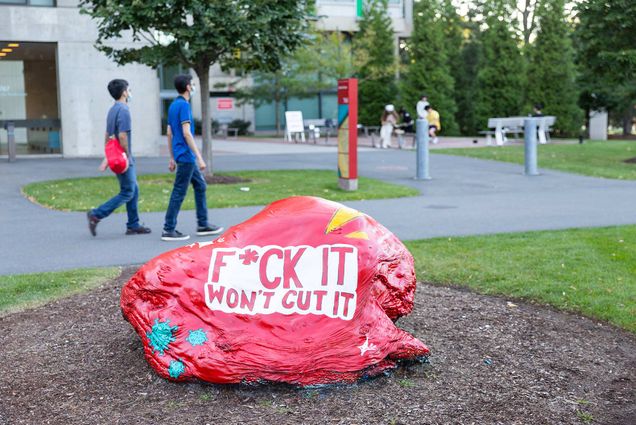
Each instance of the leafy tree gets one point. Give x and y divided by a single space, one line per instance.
551 70
428 70
500 79
465 72
606 54
375 62
274 87
456 30
314 67
528 17
329 58
245 34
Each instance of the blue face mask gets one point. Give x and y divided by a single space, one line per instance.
129 97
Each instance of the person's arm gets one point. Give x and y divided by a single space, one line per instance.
123 127
193 146
104 164
171 164
123 142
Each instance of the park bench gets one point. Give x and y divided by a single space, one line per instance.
314 127
514 125
374 130
225 129
370 130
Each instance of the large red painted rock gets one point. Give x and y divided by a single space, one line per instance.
305 292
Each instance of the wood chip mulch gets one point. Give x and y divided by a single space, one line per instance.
77 361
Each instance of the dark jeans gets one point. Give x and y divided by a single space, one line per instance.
128 194
187 172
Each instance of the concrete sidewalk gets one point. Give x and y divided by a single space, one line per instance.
466 197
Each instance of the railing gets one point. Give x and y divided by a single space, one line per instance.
11 125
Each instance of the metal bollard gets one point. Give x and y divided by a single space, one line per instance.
530 146
11 141
421 137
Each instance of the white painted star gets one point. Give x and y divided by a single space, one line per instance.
366 347
202 244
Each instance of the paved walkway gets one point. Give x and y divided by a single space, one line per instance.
466 196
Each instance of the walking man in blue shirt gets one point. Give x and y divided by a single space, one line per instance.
118 123
186 159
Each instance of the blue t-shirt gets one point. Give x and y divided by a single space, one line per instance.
179 113
118 121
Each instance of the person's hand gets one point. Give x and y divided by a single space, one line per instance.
172 165
201 164
104 165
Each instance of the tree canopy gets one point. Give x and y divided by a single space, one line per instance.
551 69
428 69
606 55
315 66
246 34
375 62
501 68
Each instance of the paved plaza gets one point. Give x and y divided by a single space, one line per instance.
466 197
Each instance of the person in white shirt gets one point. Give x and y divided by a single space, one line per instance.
389 120
422 114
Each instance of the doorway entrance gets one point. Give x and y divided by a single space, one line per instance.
29 100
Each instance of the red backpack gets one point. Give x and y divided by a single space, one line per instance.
116 156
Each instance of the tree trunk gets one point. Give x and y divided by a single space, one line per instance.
527 21
276 115
206 119
628 120
277 104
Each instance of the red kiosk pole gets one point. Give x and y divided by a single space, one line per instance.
348 134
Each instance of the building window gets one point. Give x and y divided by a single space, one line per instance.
167 92
43 3
167 74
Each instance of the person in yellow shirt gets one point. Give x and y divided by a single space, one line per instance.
433 123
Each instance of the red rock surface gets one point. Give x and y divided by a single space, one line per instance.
305 292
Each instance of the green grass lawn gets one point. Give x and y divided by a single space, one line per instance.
266 186
588 271
598 159
21 291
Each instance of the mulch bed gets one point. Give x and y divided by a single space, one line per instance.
630 160
223 179
76 361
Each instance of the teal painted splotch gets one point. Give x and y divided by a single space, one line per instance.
161 336
197 337
176 368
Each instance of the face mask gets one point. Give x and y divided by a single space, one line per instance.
129 97
193 90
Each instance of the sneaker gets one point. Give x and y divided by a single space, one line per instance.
140 230
92 223
209 230
175 235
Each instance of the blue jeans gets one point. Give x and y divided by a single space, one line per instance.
128 194
187 172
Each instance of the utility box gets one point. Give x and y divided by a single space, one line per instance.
598 125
